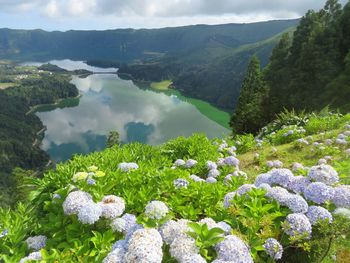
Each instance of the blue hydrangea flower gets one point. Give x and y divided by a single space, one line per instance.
231 161
341 197
279 194
211 180
213 173
224 226
196 178
316 213
4 233
281 177
262 179
34 256
297 204
74 201
179 163
324 174
36 243
298 184
190 163
244 189
228 198
273 248
298 224
319 193
180 183
90 181
211 165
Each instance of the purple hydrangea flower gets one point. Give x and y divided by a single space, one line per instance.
282 177
213 173
341 197
211 165
316 213
190 163
324 174
273 248
298 224
319 193
297 204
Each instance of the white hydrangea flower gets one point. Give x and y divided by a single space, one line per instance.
112 206
34 256
209 221
126 167
89 213
36 243
211 180
190 163
179 163
183 246
196 178
233 249
194 258
145 246
172 229
156 210
130 222
118 224
74 201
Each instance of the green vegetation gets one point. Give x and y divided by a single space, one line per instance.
308 72
21 131
252 216
162 85
6 85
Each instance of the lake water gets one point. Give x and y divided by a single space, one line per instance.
110 103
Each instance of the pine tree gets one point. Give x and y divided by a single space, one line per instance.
247 116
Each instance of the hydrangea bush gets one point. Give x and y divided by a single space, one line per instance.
189 200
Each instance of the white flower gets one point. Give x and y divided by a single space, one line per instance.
89 213
211 180
171 229
193 258
37 242
34 256
74 201
156 210
233 249
209 221
118 224
145 246
213 173
112 206
126 167
183 246
190 163
179 162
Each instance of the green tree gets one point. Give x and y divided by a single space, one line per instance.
112 139
248 115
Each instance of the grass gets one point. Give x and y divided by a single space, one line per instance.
162 85
6 85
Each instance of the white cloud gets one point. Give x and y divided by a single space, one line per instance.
51 9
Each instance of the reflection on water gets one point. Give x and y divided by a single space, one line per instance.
109 103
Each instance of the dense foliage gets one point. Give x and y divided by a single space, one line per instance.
21 131
311 70
192 200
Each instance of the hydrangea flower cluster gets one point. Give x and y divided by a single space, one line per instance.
316 213
341 197
319 193
273 248
179 163
156 210
75 201
145 245
196 178
233 249
298 224
89 213
34 256
36 243
213 173
112 206
126 167
182 247
274 164
211 165
180 183
323 173
190 163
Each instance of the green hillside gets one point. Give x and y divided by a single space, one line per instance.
62 215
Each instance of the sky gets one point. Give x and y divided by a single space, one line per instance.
110 14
